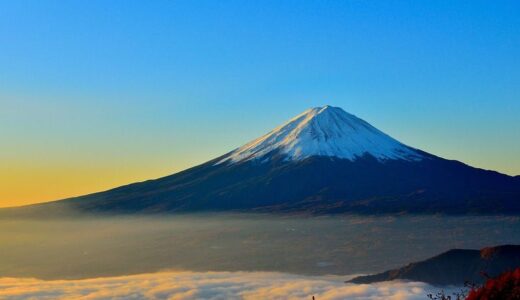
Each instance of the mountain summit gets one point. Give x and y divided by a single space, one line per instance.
324 160
324 131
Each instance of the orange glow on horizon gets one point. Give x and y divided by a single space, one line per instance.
23 185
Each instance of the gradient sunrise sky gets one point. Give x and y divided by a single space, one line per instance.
95 94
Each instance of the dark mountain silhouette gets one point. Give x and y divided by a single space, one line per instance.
454 267
322 161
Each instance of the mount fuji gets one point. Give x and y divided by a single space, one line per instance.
322 161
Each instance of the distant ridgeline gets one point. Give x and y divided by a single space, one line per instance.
454 267
323 161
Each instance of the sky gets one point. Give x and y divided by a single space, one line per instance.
96 94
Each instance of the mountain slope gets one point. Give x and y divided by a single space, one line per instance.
322 161
454 267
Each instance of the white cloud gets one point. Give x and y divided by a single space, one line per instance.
209 285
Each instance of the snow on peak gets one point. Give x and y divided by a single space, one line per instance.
324 131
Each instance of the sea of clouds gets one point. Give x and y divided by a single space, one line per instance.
209 285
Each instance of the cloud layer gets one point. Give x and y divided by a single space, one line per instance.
208 285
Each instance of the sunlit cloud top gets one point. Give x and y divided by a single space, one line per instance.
210 285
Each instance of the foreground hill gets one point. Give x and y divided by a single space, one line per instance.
454 267
324 160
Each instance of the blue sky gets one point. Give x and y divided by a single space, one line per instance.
138 89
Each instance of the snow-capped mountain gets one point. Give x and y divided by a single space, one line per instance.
322 161
324 131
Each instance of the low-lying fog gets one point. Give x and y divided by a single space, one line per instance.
100 247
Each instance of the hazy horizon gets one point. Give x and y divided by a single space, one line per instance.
86 247
230 256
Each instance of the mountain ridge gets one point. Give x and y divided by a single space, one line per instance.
453 267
